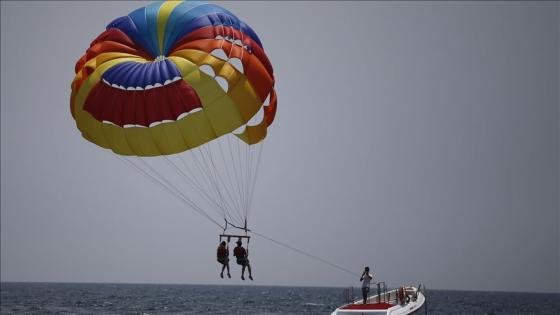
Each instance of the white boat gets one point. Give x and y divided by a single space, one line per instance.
400 301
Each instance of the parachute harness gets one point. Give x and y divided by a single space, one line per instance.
239 237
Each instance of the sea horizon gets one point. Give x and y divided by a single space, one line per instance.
156 298
264 285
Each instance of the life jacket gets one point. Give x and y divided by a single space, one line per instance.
222 252
239 252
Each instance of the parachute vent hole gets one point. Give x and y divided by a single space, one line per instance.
267 100
108 122
182 115
239 130
223 83
257 118
207 70
192 111
219 53
237 64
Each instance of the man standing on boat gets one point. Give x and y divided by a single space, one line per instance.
366 280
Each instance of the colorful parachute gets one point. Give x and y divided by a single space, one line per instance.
173 77
140 90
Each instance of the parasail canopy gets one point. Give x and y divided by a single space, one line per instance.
177 77
170 77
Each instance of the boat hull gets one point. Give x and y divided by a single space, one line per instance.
387 304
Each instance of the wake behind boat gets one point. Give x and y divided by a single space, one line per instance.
401 301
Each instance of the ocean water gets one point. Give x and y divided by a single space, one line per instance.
87 298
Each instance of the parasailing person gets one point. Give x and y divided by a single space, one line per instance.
241 254
223 258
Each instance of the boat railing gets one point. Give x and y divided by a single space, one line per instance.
380 296
348 295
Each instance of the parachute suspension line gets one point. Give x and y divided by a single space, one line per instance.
306 254
195 186
203 174
237 176
230 181
208 177
211 179
185 178
217 176
249 178
242 173
202 184
254 179
252 170
242 176
244 149
172 190
209 162
165 187
247 173
219 208
244 154
237 165
162 179
231 192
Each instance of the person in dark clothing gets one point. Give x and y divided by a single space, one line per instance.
241 254
223 258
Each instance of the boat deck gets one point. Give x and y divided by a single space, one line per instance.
385 303
374 306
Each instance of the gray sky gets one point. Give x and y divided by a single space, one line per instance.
421 139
